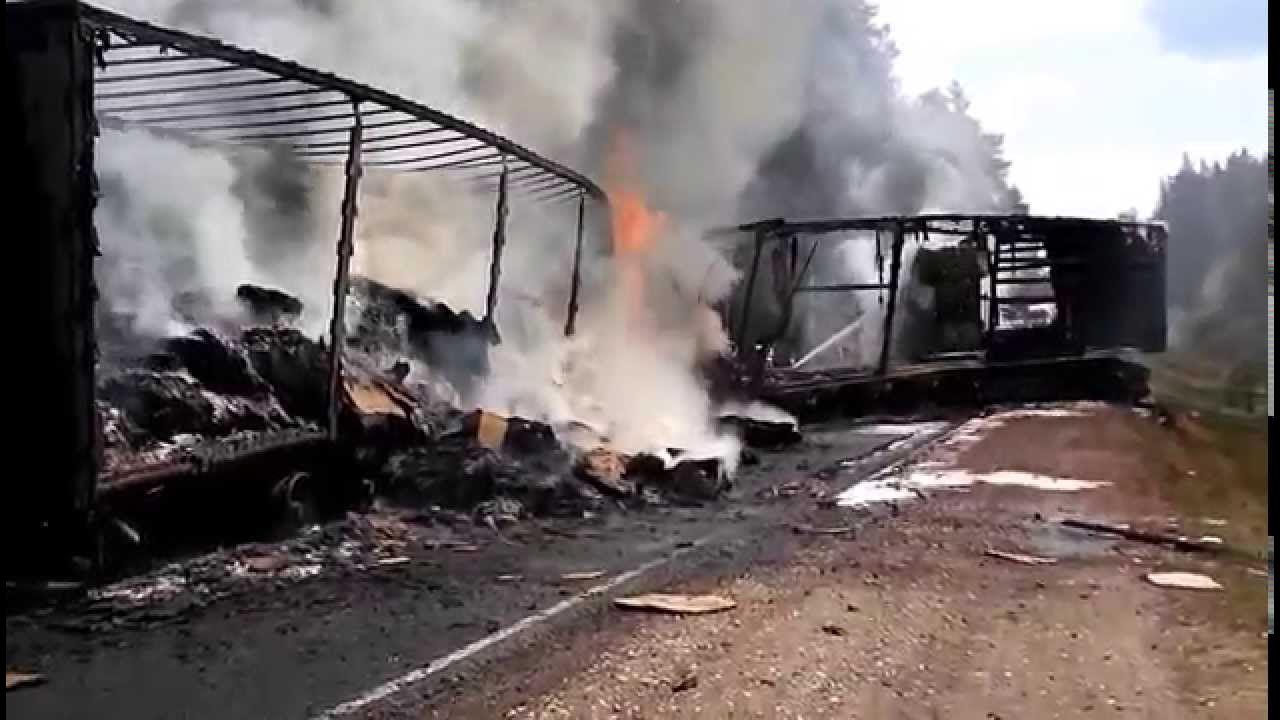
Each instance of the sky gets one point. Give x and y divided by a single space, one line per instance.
1097 99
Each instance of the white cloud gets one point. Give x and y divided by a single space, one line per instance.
1093 110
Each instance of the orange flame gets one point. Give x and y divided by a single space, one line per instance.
636 227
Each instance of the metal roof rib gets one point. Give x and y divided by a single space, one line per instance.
168 69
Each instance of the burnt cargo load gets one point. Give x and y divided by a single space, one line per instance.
266 378
64 62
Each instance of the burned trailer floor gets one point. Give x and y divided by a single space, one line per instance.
292 628
963 380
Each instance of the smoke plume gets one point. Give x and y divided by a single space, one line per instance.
730 110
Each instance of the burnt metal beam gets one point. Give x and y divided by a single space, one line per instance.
370 149
138 77
276 123
557 199
514 179
895 268
551 192
205 460
495 263
1068 262
512 175
196 102
233 113
1025 299
368 141
993 283
543 182
744 346
308 132
576 276
940 223
475 146
168 90
148 59
1043 280
496 159
840 288
342 279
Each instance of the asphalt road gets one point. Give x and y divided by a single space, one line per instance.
390 639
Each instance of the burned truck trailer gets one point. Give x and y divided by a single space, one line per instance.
73 69
851 313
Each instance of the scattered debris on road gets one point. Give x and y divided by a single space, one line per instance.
677 604
687 681
491 430
605 469
812 487
1183 580
811 530
1020 558
14 680
266 563
769 434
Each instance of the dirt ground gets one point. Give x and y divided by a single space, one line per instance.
907 618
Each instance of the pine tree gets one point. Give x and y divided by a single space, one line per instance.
1219 228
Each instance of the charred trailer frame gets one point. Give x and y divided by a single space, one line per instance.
73 67
49 73
1100 281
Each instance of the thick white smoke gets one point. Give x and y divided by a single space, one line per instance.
173 228
178 239
710 94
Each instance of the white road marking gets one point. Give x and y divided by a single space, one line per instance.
391 687
396 685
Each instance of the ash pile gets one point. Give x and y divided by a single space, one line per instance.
405 431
